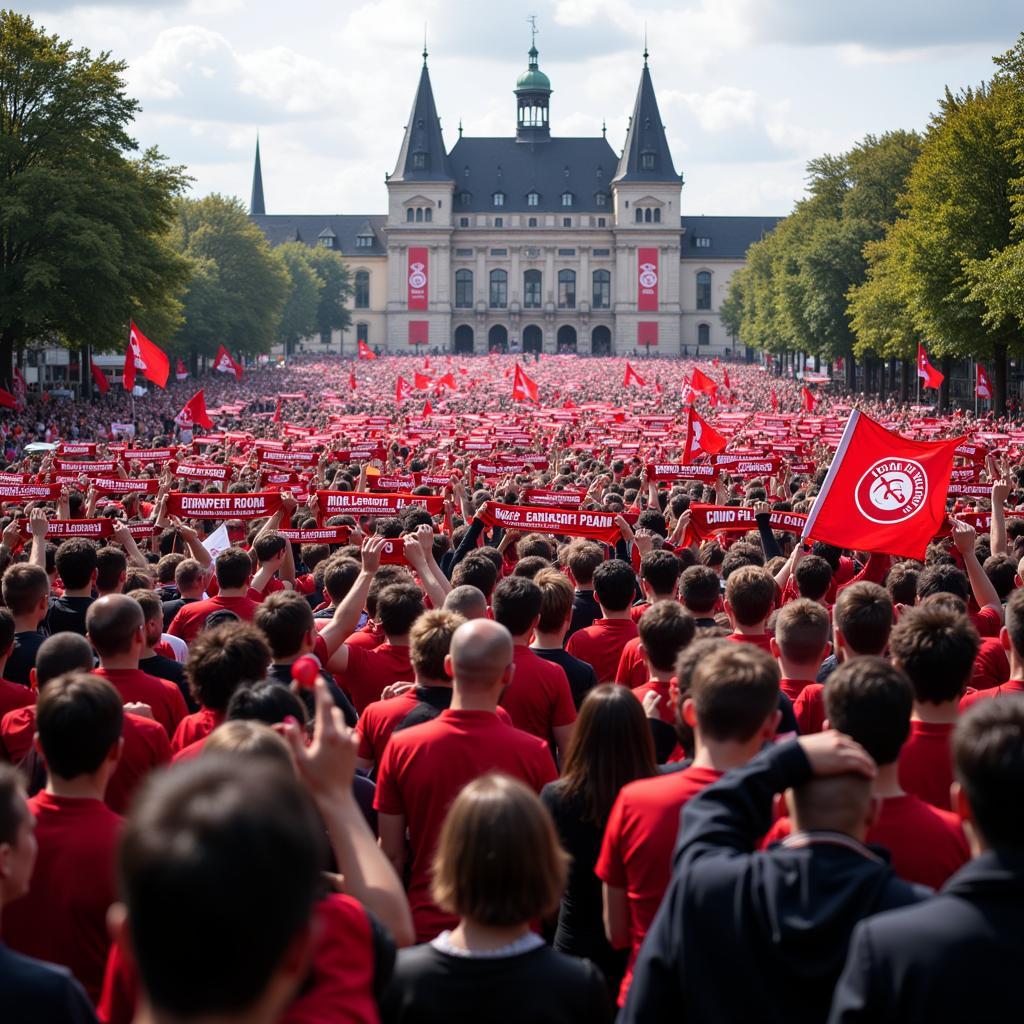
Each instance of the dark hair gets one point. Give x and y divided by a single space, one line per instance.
516 604
208 834
76 562
233 568
871 700
801 630
7 627
734 689
614 585
661 570
556 599
150 603
813 577
476 571
269 546
398 607
222 659
666 628
1014 620
583 557
1002 571
168 566
943 579
111 565
535 545
188 573
751 592
24 586
60 653
340 575
269 702
741 556
902 583
829 552
988 757
863 613
529 566
79 718
12 804
286 619
700 589
936 647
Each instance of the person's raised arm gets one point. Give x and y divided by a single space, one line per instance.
124 537
192 542
346 615
795 558
419 549
985 594
763 518
37 525
997 531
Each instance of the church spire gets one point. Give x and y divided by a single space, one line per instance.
423 156
646 155
256 205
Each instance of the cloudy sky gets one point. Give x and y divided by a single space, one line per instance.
749 89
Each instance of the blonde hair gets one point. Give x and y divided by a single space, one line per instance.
430 639
250 739
556 597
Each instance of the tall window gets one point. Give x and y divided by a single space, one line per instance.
567 289
657 215
639 215
647 216
464 289
499 289
428 214
703 334
419 161
363 332
531 222
362 296
602 289
531 289
703 289
601 199
410 214
646 161
419 213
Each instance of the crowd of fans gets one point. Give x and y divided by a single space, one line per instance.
421 767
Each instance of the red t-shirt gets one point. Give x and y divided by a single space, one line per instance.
926 845
792 688
424 768
539 698
601 644
991 666
636 852
926 762
14 695
191 618
369 637
987 621
196 726
970 699
665 710
809 708
369 671
63 919
631 671
636 613
134 685
762 640
146 747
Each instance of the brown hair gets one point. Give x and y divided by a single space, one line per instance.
751 593
583 557
863 613
734 690
801 630
24 586
666 628
498 859
150 603
249 738
223 658
286 619
430 639
556 597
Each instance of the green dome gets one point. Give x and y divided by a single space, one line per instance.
533 78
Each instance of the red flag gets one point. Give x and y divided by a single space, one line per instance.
223 363
808 398
402 389
427 410
883 492
352 379
143 355
99 378
194 412
632 377
983 386
701 437
365 352
700 381
448 381
568 404
658 389
426 362
421 383
928 374
276 418
725 377
775 401
523 388
20 388
7 400
180 371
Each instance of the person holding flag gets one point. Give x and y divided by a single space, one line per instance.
632 377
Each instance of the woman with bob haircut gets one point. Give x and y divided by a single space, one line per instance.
498 866
611 746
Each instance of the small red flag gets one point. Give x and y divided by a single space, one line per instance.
523 388
276 418
725 377
701 437
930 377
775 401
808 398
365 352
145 357
983 386
99 378
194 413
402 389
427 410
7 400
448 381
352 379
420 382
568 404
632 377
223 363
180 371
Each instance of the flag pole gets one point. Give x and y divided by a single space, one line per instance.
975 388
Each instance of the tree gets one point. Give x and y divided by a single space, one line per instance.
83 224
302 302
335 289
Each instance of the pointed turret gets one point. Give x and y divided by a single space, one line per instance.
423 156
256 205
646 155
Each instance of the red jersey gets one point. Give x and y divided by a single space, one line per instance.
424 768
809 708
196 726
762 640
666 712
926 762
632 670
14 695
991 666
601 644
163 697
191 618
539 698
636 852
792 688
369 637
970 699
63 919
987 621
369 671
636 613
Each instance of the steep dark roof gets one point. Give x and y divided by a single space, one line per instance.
256 204
646 136
730 237
484 166
423 139
310 228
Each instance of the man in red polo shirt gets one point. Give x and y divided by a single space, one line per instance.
63 919
1012 638
601 644
750 595
733 708
538 699
115 625
424 768
234 571
935 644
800 644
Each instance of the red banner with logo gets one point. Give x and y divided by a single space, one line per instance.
647 332
599 526
419 331
679 471
115 486
224 506
65 466
202 472
149 454
647 280
418 276
364 503
707 520
554 499
77 448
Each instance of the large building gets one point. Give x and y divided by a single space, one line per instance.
531 242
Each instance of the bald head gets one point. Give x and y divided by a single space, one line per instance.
60 653
481 654
833 803
467 601
112 622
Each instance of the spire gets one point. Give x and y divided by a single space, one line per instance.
257 207
646 155
423 156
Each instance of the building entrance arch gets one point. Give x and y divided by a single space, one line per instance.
533 338
601 341
497 338
464 339
566 338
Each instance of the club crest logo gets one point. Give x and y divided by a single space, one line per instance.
648 275
417 276
891 491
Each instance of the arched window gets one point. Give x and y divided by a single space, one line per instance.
602 289
499 289
639 215
419 213
657 215
428 214
532 289
362 291
703 334
567 289
464 289
703 289
410 214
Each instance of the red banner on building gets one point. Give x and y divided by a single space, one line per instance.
647 280
224 506
647 331
418 277
419 330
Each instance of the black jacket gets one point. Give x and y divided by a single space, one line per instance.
955 958
756 936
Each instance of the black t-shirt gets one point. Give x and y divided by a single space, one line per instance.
581 675
173 606
283 674
431 701
67 615
585 612
173 672
23 657
34 992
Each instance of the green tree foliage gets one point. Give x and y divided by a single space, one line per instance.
332 314
302 302
83 223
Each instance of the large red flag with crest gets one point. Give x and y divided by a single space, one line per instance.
983 386
930 377
701 437
365 352
223 363
145 357
194 413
